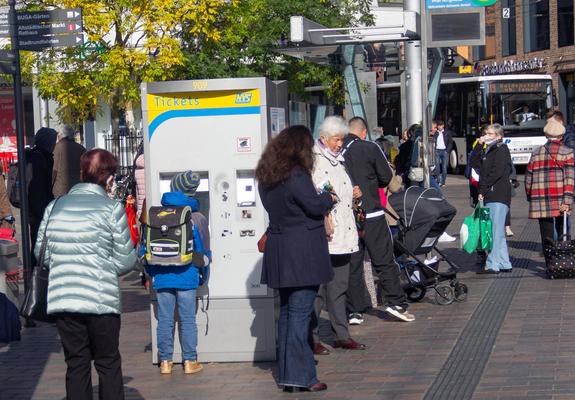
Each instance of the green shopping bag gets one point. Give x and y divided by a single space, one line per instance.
470 232
486 229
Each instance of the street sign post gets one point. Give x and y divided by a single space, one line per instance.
34 31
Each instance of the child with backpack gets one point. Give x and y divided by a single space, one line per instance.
175 277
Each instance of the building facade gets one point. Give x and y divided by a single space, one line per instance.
533 36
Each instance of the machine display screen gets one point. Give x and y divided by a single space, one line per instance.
246 189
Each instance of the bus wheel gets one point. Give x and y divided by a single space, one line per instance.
454 161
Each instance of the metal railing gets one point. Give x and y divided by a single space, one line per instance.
124 146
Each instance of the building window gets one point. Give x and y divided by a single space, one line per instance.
488 51
508 33
536 25
565 28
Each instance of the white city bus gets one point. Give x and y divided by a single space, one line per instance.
518 102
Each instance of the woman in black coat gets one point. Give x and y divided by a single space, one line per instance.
296 257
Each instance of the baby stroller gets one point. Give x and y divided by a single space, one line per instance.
422 217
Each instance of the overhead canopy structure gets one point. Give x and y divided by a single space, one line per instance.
391 26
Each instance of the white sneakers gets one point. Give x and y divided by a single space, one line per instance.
400 313
355 318
508 231
445 237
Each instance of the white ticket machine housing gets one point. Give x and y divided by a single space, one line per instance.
219 128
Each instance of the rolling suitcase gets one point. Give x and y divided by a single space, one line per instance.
560 255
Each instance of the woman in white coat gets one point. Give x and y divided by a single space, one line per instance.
330 174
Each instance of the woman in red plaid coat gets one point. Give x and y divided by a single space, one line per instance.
549 181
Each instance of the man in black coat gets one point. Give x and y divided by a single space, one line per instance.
370 170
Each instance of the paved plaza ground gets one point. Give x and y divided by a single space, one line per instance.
514 338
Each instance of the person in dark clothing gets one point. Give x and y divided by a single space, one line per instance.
67 154
296 258
403 159
443 147
40 162
494 189
370 170
417 157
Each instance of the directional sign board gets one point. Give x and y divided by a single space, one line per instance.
51 28
42 42
7 65
7 55
38 30
7 68
35 17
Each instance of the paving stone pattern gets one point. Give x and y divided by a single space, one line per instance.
529 354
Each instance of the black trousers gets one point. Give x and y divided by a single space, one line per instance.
379 244
358 300
548 227
87 337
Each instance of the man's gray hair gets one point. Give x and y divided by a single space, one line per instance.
497 128
68 131
332 126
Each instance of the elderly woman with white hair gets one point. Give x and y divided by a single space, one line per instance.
550 180
329 173
66 170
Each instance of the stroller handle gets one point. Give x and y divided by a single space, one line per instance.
395 218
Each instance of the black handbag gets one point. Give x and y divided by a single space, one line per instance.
35 303
560 255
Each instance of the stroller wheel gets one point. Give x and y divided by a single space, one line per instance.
460 290
444 295
415 294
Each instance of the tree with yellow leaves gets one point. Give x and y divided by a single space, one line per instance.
140 40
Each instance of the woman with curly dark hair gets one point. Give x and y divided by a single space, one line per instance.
296 257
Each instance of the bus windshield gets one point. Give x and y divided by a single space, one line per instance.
520 106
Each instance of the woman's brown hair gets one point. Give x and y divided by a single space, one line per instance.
96 166
291 148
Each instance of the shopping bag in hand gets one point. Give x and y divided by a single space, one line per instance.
486 229
470 232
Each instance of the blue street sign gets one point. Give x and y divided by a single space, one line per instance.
435 4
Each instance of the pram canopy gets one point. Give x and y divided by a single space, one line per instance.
425 216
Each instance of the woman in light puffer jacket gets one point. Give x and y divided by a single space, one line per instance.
88 248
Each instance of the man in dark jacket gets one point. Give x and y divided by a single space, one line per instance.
67 153
443 147
40 162
370 170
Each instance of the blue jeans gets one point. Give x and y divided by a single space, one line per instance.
295 358
186 300
498 258
442 160
433 184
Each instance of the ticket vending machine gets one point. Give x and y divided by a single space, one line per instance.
219 128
